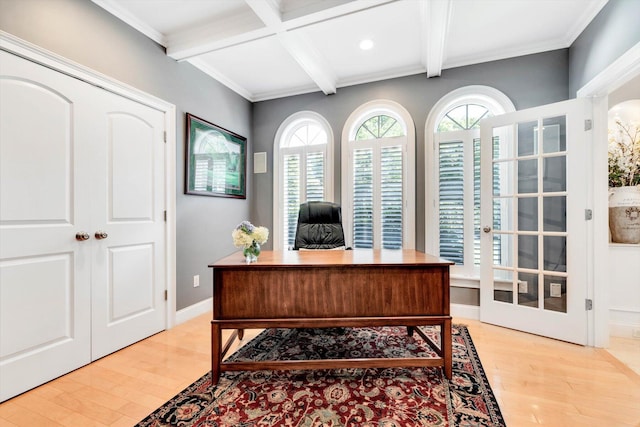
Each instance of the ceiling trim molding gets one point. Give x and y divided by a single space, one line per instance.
132 20
504 54
583 20
222 78
435 26
185 46
267 96
386 75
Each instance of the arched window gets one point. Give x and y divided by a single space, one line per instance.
303 170
453 180
378 145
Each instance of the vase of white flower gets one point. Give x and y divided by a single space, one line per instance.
624 214
624 182
249 237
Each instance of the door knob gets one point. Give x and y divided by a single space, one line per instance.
101 235
82 235
486 229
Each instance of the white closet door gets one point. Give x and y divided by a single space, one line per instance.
75 159
44 271
128 279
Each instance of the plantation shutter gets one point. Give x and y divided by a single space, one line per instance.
451 196
315 176
476 201
291 192
363 198
391 196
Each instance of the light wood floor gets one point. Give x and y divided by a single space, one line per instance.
537 381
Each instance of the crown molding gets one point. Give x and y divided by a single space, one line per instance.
132 20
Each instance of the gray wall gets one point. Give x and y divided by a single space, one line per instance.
528 81
613 31
83 32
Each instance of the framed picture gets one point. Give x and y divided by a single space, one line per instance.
216 160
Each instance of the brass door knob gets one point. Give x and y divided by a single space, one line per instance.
101 235
82 235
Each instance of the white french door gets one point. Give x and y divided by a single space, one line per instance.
82 231
534 240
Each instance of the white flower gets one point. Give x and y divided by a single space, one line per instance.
246 233
261 234
624 154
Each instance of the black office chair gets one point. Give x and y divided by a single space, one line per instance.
319 226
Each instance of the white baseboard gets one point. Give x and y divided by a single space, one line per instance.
465 311
624 330
194 310
624 322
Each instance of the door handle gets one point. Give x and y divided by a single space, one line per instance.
101 235
486 229
82 235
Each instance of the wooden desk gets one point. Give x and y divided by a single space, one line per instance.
316 289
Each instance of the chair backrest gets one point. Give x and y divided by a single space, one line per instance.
319 226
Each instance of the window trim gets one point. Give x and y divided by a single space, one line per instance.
285 130
491 98
353 122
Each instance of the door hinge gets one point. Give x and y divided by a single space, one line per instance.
588 124
165 216
165 136
588 304
166 294
588 214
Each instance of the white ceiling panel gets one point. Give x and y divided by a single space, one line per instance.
513 28
265 49
394 29
263 67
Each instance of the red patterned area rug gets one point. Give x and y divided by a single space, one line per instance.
382 397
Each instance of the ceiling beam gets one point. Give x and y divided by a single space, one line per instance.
435 16
304 53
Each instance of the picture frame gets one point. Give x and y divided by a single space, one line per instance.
215 160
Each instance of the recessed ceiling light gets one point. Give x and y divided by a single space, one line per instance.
366 44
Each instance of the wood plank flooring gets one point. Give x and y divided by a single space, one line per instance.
537 381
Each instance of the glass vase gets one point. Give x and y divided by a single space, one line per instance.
251 252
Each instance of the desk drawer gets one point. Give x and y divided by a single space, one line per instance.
340 291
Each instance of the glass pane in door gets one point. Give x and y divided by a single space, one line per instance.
503 285
528 289
527 139
554 176
528 176
528 214
554 213
554 137
555 293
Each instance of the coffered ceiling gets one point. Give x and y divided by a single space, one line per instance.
265 49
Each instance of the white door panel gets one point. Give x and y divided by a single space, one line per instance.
75 158
26 196
45 272
534 245
128 274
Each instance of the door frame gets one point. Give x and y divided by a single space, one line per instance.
37 54
619 72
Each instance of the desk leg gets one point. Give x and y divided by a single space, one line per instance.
447 351
410 330
216 348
